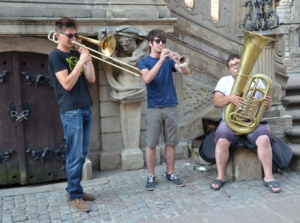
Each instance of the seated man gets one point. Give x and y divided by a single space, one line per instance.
225 137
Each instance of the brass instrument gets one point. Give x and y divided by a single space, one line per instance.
183 60
107 46
244 119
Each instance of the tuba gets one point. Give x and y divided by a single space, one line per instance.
245 118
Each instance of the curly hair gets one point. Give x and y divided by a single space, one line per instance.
156 33
65 23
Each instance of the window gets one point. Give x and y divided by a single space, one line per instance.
214 10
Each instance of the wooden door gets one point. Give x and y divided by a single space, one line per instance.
39 155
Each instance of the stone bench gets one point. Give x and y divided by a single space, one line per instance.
243 164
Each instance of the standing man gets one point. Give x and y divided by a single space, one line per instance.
157 71
225 137
70 70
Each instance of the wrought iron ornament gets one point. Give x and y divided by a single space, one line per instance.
260 16
37 79
6 155
2 76
58 153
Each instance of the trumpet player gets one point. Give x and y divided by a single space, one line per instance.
156 70
70 70
225 137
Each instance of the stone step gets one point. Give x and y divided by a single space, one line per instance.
293 134
291 102
292 90
295 162
295 113
293 85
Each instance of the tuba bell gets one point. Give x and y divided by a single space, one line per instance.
245 118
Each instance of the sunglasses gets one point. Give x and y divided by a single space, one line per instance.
164 41
70 35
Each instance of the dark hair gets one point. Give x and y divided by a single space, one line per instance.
159 33
232 57
65 23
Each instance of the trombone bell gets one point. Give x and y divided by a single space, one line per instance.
107 45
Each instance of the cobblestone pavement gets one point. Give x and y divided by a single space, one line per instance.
121 197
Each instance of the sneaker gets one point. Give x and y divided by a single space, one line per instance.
85 197
150 185
79 205
173 179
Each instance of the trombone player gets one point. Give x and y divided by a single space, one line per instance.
70 72
157 71
224 136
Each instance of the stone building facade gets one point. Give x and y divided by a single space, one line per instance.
191 31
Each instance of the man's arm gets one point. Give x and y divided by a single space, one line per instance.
220 100
69 80
89 72
184 70
149 75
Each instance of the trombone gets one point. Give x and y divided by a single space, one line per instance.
107 48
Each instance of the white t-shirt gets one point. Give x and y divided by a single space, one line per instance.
225 84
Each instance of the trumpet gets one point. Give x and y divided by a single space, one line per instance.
107 48
182 61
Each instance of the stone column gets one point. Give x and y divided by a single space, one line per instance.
130 118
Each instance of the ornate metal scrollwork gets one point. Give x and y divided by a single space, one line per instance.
2 76
15 116
58 153
6 155
258 18
37 79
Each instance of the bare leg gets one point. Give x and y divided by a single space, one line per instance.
150 159
222 155
170 158
264 152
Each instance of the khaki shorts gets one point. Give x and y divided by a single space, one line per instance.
162 119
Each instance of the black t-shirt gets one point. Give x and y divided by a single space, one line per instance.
79 96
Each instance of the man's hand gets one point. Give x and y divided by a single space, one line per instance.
85 55
236 99
164 54
267 102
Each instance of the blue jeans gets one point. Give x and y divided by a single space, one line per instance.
77 126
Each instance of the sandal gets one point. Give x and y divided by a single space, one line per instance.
220 183
271 185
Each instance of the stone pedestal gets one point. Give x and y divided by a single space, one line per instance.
244 164
132 159
87 173
130 117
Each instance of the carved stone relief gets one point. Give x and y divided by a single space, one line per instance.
196 95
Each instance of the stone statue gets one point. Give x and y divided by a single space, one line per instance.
131 46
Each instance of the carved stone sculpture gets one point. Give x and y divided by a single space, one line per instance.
131 47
